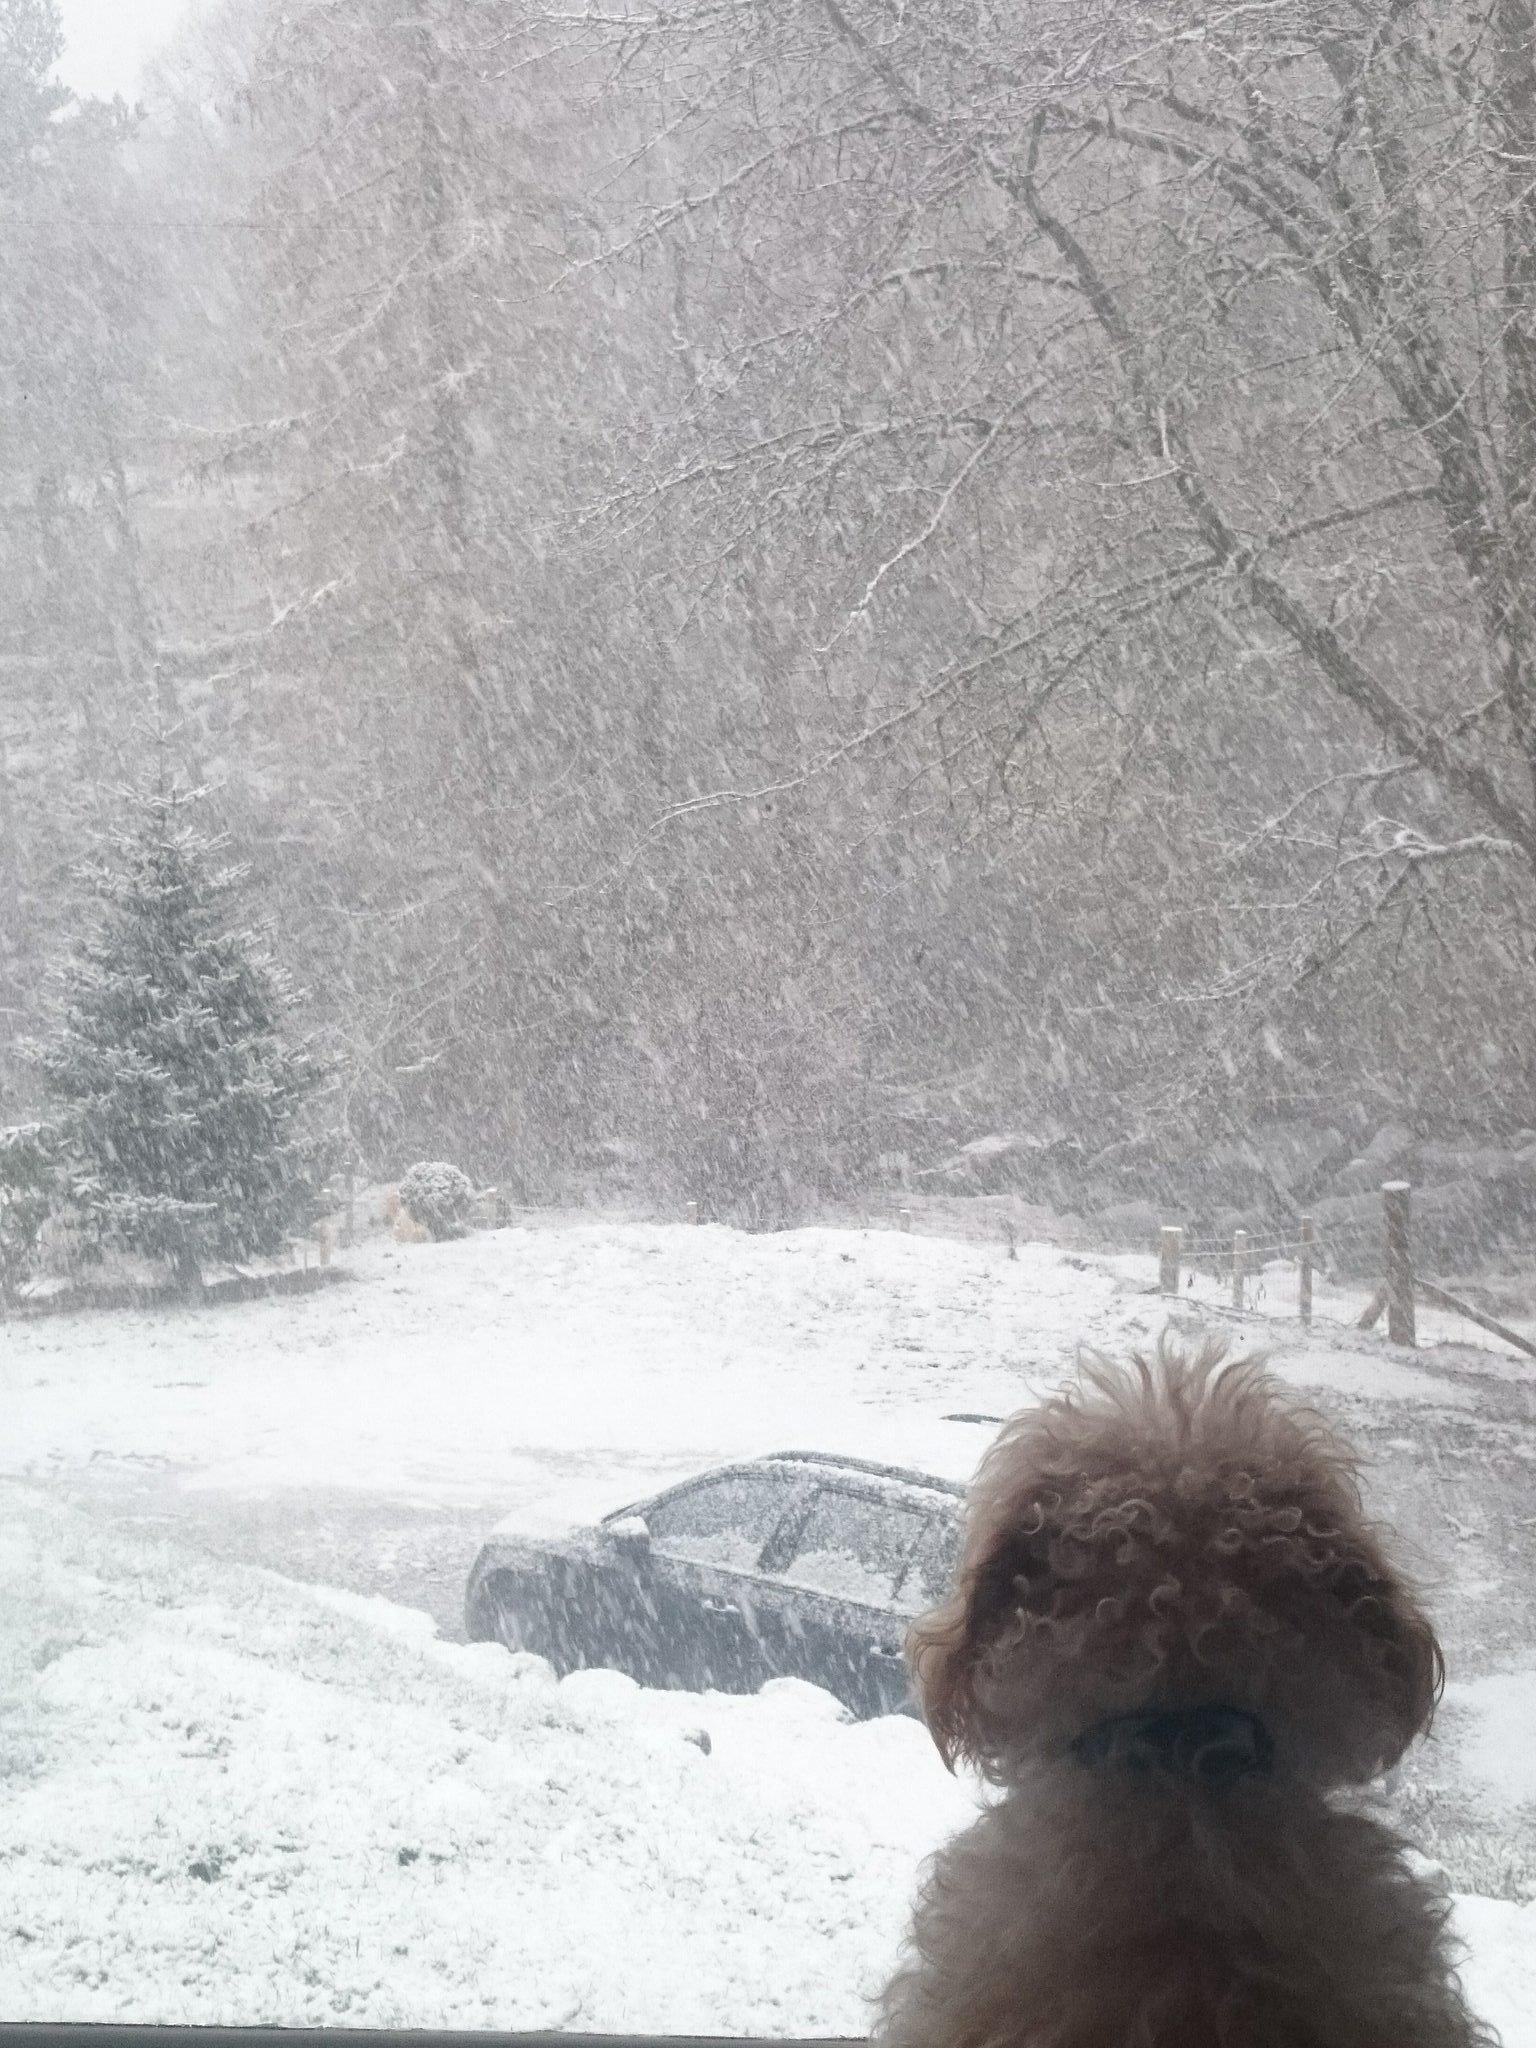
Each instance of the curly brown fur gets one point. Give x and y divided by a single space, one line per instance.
1175 1534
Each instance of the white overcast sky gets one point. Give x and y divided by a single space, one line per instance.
107 41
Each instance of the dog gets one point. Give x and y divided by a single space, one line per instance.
1172 1642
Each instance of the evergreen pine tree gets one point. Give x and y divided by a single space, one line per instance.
28 1193
178 1101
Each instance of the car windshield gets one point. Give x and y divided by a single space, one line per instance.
738 740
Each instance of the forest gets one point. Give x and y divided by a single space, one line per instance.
768 593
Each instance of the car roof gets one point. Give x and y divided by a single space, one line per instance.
832 1462
929 1481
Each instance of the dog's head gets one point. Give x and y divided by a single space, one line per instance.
1173 1534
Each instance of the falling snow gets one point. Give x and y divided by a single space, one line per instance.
700 712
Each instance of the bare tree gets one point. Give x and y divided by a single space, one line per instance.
1144 394
781 584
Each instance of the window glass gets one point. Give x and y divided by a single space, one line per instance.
932 1569
853 1545
726 1522
719 724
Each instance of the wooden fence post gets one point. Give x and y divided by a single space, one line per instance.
904 1218
1239 1265
1170 1241
693 1212
1304 1271
1394 1202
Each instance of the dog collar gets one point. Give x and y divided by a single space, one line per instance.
1211 1746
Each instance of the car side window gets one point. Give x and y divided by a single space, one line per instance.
931 1572
725 1521
853 1545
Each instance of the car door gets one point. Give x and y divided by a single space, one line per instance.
599 1607
836 1568
706 1541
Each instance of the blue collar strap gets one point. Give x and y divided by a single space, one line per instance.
1210 1746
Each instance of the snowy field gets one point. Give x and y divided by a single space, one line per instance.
237 1796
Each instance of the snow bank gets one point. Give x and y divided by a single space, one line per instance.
1497 1731
1500 1967
233 1800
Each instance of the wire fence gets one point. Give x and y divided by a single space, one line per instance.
1347 1275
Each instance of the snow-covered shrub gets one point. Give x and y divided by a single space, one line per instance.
406 1230
438 1197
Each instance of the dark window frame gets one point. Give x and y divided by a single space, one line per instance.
111 2034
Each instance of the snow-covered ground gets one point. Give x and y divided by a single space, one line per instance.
237 1800
236 1797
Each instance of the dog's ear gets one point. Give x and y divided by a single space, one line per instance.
1364 1670
1417 1663
1407 1667
945 1648
940 1662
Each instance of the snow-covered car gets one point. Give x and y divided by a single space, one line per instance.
801 1565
